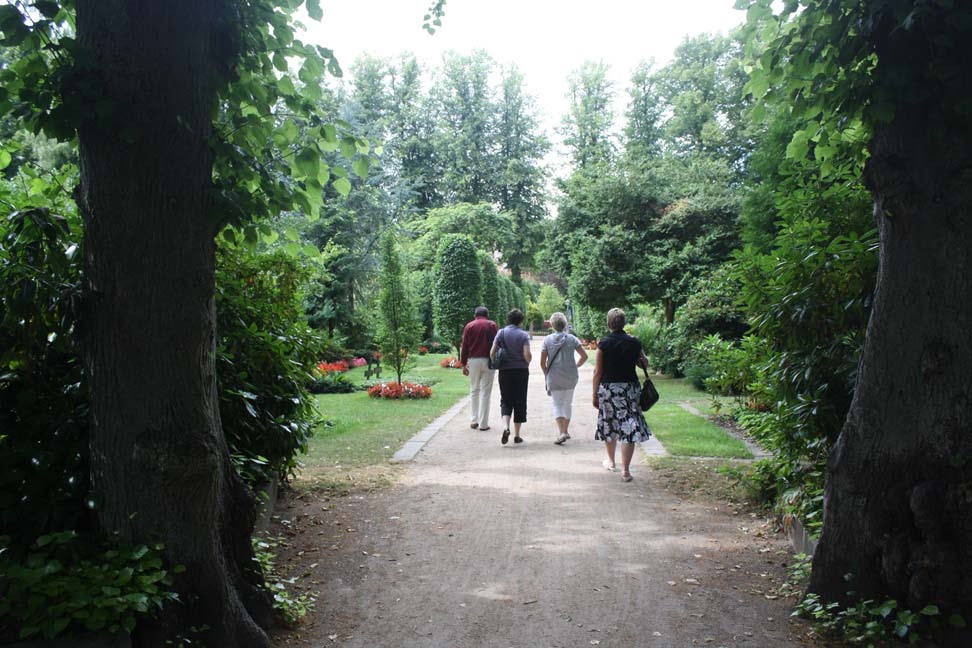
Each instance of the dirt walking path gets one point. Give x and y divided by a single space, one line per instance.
533 545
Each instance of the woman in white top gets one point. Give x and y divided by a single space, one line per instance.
560 369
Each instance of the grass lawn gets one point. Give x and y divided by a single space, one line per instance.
685 434
362 431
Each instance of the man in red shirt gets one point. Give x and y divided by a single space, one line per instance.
477 338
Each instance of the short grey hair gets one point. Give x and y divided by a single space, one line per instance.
558 321
616 319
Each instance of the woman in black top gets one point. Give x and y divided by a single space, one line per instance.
617 392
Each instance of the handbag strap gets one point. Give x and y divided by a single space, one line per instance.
550 364
645 371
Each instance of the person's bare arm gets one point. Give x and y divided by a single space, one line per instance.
643 361
582 360
543 361
526 353
598 373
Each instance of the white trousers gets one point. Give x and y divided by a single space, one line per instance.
480 390
563 400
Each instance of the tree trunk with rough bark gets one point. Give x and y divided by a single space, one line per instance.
161 469
898 501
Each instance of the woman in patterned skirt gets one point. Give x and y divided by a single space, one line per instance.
617 393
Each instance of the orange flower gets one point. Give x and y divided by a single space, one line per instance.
398 391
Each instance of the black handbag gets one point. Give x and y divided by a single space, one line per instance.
497 360
649 395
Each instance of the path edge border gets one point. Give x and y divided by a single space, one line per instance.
412 447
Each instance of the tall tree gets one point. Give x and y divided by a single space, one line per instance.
149 338
168 154
646 110
411 135
896 505
465 142
587 127
703 89
370 95
520 174
398 326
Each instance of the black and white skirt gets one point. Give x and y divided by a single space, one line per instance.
619 416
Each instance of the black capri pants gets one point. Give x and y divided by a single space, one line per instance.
513 393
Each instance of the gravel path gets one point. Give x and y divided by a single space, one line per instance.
533 545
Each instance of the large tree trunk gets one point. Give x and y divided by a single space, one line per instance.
898 502
160 465
669 306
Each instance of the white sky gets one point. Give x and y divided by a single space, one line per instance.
546 39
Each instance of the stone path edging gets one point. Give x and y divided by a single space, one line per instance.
412 447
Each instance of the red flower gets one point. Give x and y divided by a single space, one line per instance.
398 391
327 367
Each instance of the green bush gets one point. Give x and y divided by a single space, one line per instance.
726 368
710 309
43 400
647 327
810 299
66 583
332 382
265 360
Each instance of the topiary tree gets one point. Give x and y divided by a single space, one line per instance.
503 298
457 287
508 291
398 325
519 301
491 298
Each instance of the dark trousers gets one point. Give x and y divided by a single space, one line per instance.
513 393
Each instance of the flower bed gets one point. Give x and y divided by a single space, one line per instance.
435 347
450 363
394 390
327 367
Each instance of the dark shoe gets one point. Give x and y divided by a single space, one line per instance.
561 439
517 440
505 437
474 425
